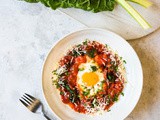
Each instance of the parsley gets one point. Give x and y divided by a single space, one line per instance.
55 82
94 103
66 73
106 45
54 72
85 104
74 53
72 98
94 68
91 53
116 68
57 85
111 77
115 99
78 45
124 61
85 42
85 93
69 89
80 69
61 93
108 110
122 93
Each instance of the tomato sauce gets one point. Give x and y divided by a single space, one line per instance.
112 86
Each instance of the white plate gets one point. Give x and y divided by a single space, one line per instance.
132 90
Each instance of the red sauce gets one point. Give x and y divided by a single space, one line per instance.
69 92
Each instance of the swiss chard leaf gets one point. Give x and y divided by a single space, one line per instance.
32 1
98 6
91 53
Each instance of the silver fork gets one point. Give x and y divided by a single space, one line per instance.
33 104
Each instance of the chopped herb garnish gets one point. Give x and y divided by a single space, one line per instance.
78 45
69 89
122 93
94 102
66 73
111 77
124 61
108 110
61 93
92 106
75 53
120 58
55 82
72 98
80 69
79 96
106 45
54 72
116 68
85 93
91 53
57 85
85 104
85 42
94 68
115 99
101 85
112 62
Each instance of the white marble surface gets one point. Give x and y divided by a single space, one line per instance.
27 33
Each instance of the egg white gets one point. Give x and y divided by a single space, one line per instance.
86 68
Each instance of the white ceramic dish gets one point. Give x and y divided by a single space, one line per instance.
132 90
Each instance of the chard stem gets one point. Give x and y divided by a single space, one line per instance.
134 14
144 3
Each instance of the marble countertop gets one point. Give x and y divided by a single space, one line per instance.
27 33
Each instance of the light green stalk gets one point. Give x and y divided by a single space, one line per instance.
144 3
134 14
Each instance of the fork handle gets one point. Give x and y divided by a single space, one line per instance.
46 116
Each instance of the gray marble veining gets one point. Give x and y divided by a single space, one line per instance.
27 33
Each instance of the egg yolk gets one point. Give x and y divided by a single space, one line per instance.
90 78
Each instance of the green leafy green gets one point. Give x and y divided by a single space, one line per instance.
122 93
55 82
80 69
61 93
98 6
124 61
115 98
94 68
111 77
32 1
85 93
85 42
75 53
88 5
91 53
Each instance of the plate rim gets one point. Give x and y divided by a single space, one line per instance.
81 30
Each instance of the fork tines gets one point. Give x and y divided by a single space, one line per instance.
30 102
